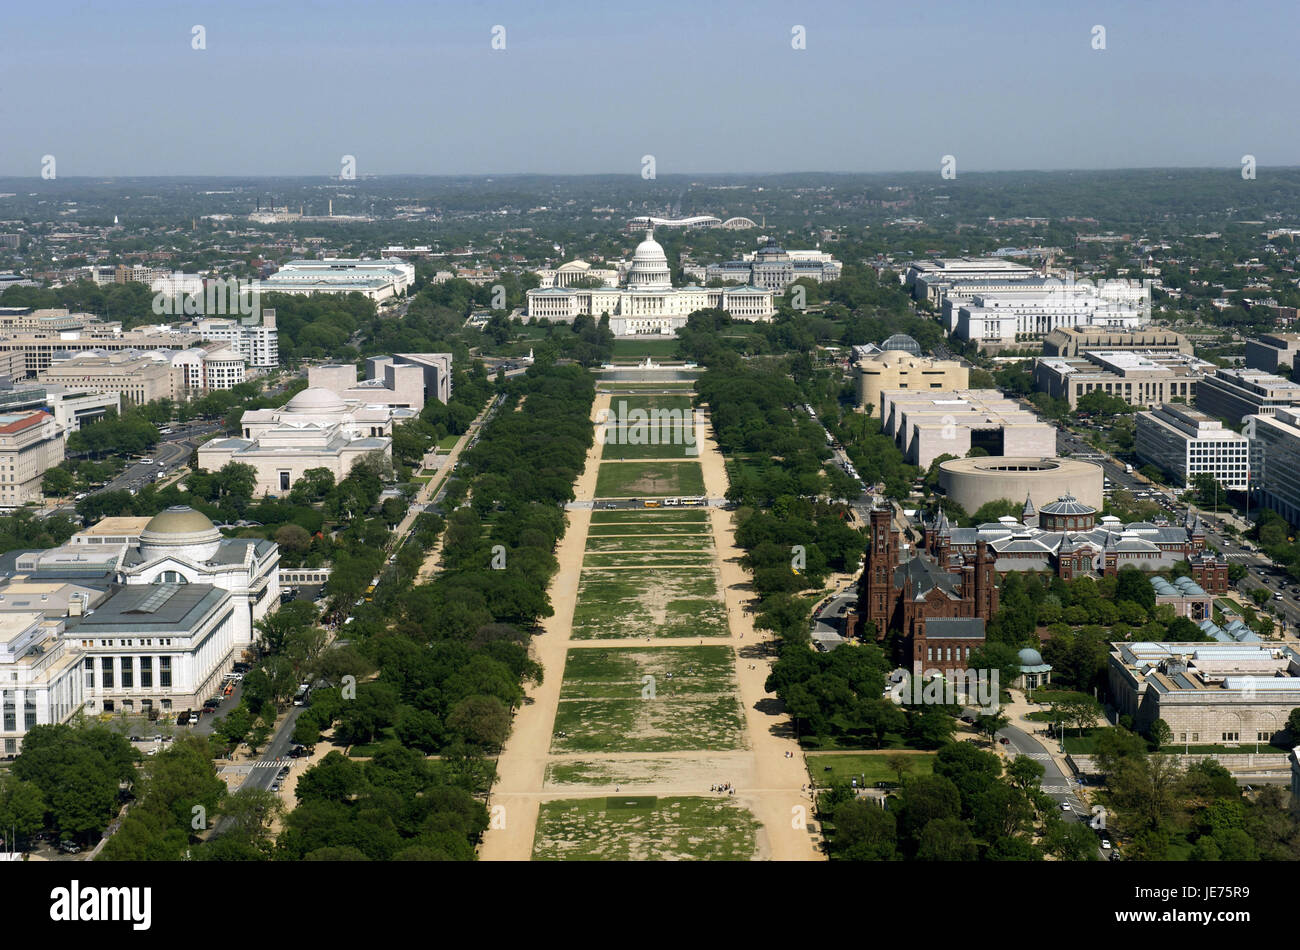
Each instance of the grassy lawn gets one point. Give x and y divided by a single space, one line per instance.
698 544
631 348
868 768
651 516
653 602
649 559
624 828
649 426
655 479
449 443
616 386
606 706
660 529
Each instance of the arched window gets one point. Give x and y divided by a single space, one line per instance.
172 577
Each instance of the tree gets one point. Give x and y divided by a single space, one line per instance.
57 482
899 764
1132 585
482 720
22 809
863 832
1159 734
1293 723
991 724
292 538
946 839
1071 840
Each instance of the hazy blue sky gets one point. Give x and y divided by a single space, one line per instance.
114 88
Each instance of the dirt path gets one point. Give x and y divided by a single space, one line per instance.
778 799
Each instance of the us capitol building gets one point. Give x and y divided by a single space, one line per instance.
648 303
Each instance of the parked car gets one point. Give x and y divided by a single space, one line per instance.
69 847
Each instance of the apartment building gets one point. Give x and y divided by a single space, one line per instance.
258 341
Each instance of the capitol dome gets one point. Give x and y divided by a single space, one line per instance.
182 531
316 399
649 266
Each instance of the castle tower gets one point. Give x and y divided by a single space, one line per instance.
876 592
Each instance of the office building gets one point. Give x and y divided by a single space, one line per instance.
1006 319
1275 460
1140 379
376 279
137 377
1075 341
931 279
401 386
1185 442
1273 352
71 408
41 682
210 367
1233 394
255 338
774 268
30 444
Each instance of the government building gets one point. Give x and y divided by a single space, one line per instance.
315 429
648 303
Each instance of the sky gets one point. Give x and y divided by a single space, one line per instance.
415 86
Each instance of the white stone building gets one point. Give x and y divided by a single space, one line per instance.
315 429
648 303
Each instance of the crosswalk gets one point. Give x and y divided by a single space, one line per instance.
1238 556
272 764
1056 789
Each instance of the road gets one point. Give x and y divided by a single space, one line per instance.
1059 786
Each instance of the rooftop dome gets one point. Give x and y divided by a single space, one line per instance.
650 250
315 399
179 519
182 532
1029 657
901 341
649 270
1067 504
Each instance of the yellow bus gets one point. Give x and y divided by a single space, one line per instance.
650 503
